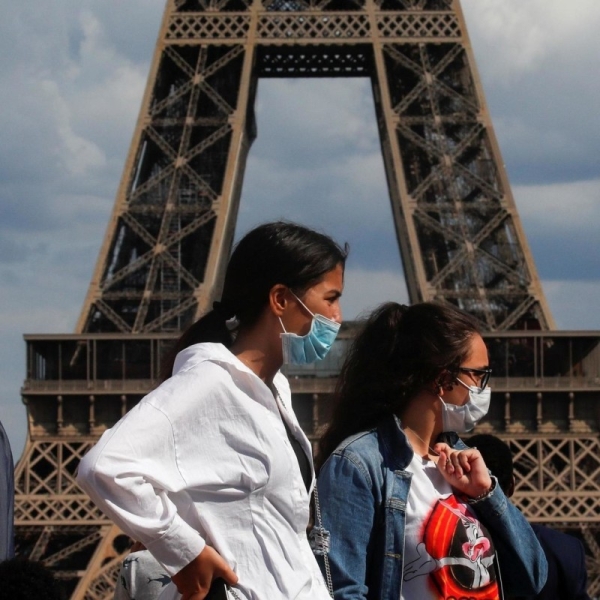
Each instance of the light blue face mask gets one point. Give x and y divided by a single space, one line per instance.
306 349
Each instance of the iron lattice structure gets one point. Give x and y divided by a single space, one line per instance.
170 234
163 258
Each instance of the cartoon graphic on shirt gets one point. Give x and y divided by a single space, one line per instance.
141 577
456 552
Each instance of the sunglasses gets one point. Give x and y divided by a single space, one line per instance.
482 374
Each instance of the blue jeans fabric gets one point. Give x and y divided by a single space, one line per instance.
363 488
7 498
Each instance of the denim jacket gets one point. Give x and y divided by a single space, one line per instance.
363 489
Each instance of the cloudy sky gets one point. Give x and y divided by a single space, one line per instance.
72 74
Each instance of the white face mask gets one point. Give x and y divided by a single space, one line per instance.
463 418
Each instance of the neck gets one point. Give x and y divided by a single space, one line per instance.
424 417
259 352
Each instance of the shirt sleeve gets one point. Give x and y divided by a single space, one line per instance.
129 474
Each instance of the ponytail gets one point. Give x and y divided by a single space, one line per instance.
212 327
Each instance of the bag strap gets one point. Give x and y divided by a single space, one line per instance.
319 541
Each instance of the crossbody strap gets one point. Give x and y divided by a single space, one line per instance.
319 541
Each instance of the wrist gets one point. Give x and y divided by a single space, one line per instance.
486 493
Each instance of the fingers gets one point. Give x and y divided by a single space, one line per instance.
137 546
194 580
194 596
454 465
221 568
442 459
464 460
455 462
226 573
440 447
464 470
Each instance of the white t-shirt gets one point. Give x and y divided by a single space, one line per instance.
448 553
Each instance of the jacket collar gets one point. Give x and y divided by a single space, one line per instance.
397 450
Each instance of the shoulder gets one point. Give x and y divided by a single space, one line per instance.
209 372
383 446
566 560
204 357
213 363
557 541
359 444
201 384
359 452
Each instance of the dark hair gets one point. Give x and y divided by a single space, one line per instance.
398 351
272 253
497 457
23 579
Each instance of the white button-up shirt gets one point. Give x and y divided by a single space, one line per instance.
205 458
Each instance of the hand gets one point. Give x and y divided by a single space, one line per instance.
464 470
194 580
137 546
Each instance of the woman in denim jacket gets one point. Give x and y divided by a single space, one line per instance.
411 512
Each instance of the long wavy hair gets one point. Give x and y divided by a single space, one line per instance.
398 352
278 252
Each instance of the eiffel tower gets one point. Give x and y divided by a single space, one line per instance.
169 237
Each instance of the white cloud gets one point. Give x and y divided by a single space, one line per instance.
41 293
537 60
572 207
522 37
331 111
76 154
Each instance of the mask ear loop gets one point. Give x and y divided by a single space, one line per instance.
310 312
282 326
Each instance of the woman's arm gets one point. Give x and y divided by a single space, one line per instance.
128 475
522 560
348 513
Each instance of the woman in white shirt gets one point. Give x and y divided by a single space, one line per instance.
211 471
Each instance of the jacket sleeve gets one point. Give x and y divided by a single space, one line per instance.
129 474
345 489
522 561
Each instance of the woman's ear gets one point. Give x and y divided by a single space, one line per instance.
444 383
278 299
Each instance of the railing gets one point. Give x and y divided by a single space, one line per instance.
524 360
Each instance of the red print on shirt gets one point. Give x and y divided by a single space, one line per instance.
457 553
